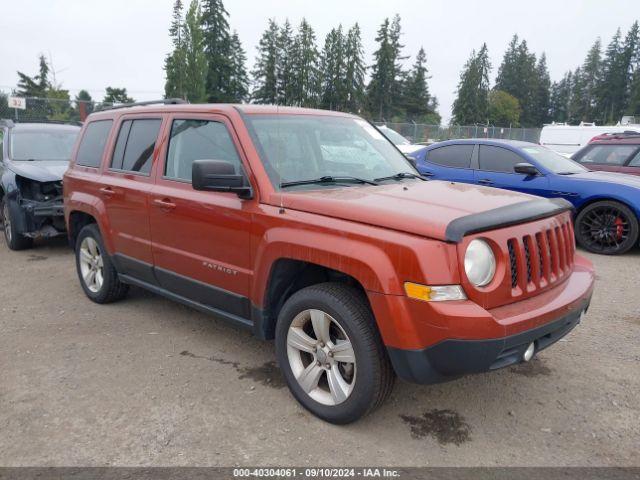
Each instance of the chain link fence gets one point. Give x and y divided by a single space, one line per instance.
64 110
421 133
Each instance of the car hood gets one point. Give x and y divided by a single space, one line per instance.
40 170
609 177
420 208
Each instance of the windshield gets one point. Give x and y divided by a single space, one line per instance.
394 136
42 145
304 147
553 161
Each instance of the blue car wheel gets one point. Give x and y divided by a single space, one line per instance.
607 227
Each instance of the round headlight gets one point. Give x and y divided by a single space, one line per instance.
479 263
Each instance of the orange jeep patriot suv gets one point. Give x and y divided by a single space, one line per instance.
309 227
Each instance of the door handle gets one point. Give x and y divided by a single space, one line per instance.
164 204
427 174
107 192
485 181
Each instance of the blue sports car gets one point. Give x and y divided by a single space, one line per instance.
607 204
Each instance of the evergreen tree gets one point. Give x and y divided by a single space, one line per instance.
38 85
239 82
542 93
265 73
306 80
561 98
577 94
217 46
589 78
333 71
116 95
355 71
285 72
611 90
174 64
471 104
195 60
385 88
416 98
84 105
518 76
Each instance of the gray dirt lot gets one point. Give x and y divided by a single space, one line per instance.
150 382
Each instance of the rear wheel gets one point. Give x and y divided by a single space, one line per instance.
15 240
607 227
98 276
330 353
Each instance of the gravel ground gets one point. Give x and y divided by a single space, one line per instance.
150 382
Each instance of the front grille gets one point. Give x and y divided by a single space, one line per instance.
542 258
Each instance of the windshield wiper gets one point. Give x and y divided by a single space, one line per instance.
400 176
328 179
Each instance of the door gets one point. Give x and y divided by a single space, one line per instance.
125 187
495 169
201 240
451 162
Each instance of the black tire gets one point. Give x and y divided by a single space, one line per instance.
15 240
111 289
373 374
607 227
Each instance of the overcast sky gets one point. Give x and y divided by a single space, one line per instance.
94 44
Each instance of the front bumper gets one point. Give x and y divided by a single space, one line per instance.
38 219
431 342
453 358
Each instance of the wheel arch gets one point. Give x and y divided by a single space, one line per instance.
288 276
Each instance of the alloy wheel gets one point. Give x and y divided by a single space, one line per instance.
91 264
605 228
321 357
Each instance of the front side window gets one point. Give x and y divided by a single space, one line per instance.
93 143
198 140
497 159
303 147
456 156
135 145
613 155
28 145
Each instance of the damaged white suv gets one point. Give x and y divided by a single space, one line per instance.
33 158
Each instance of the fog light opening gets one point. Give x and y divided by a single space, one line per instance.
528 353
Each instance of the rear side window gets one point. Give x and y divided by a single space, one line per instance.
458 156
497 159
135 145
198 140
93 143
607 154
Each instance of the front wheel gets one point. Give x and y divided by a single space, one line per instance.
15 240
330 353
607 227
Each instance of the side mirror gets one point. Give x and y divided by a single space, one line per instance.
218 176
525 169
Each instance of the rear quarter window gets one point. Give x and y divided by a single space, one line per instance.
93 143
456 156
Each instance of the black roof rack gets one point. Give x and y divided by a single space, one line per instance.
163 101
